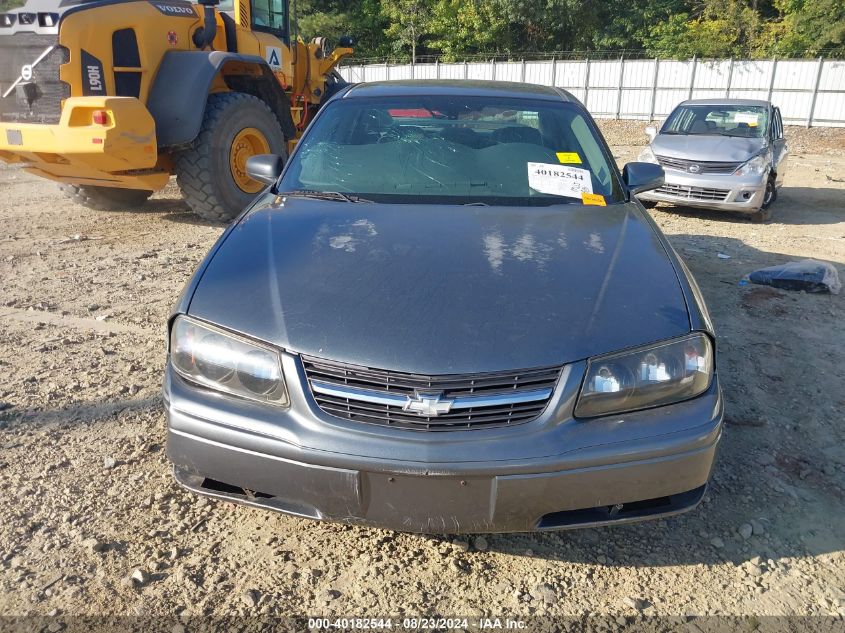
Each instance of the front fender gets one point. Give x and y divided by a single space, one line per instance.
180 90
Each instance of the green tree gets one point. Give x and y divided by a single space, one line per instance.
467 27
805 27
409 22
361 19
549 25
721 28
625 24
456 29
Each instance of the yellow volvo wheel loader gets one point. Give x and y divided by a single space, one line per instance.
112 97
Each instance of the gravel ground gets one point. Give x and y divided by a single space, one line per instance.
93 524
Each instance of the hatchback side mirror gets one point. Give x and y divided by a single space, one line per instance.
643 177
651 132
265 168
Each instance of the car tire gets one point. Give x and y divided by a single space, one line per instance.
764 213
106 198
211 172
771 193
648 204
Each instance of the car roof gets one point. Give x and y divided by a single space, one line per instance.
457 88
739 102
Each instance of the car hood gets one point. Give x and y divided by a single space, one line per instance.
443 289
705 147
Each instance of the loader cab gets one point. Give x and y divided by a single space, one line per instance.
267 16
270 16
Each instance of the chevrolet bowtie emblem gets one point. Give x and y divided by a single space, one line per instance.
428 404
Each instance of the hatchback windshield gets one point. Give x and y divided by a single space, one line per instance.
721 120
454 150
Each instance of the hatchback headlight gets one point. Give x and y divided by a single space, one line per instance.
646 377
754 167
226 362
647 156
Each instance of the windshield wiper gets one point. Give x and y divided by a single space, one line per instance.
324 195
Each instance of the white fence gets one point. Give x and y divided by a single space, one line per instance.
808 92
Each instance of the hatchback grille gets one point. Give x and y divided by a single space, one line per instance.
704 167
41 102
694 193
377 396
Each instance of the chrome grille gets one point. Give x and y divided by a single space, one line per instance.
377 396
693 193
704 167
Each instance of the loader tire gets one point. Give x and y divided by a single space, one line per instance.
106 198
211 172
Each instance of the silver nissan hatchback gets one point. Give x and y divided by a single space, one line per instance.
722 154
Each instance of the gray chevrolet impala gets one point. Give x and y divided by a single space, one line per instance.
447 313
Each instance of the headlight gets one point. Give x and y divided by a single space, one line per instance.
646 377
647 156
754 167
219 360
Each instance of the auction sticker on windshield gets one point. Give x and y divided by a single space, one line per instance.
559 180
595 199
749 118
569 157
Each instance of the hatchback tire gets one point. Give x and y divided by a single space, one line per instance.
764 213
771 193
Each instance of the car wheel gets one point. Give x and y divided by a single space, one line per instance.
771 193
764 213
648 204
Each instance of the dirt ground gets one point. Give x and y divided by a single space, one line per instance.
88 499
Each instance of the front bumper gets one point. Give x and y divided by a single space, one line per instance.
121 153
720 192
552 473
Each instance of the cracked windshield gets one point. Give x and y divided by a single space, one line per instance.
719 120
445 150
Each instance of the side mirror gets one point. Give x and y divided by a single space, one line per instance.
345 41
651 132
643 177
265 168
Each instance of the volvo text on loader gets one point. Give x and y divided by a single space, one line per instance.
112 97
